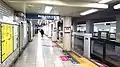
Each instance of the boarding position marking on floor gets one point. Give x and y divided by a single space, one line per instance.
53 44
64 58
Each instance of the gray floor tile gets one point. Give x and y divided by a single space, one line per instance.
40 53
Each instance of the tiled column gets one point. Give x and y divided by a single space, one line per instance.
66 35
89 27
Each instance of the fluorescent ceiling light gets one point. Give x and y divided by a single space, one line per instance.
104 1
89 11
117 6
30 5
48 9
96 5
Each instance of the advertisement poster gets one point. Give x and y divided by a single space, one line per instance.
7 41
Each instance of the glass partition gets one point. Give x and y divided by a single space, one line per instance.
97 48
113 53
112 36
95 34
78 44
104 34
108 51
101 34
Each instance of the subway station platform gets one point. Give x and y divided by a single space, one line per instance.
77 33
42 52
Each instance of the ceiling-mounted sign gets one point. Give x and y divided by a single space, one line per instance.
42 16
67 29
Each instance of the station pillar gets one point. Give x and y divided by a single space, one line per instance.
67 33
89 27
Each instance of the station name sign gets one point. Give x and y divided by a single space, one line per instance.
42 16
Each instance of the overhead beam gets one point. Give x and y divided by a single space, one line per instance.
60 3
108 14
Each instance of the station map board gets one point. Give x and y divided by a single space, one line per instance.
7 41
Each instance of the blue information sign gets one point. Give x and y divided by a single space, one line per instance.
42 16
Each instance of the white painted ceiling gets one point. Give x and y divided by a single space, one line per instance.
60 7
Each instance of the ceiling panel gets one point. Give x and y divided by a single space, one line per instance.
39 8
61 0
66 1
68 11
19 5
93 1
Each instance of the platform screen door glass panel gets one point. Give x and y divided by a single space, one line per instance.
98 48
103 35
79 44
113 53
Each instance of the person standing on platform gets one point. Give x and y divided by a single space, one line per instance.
42 32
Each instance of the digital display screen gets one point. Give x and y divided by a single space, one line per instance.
103 35
112 36
95 33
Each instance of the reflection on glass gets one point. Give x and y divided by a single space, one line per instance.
103 35
98 48
113 54
112 35
78 44
95 34
107 51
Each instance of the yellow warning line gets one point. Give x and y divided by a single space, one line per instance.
59 44
83 61
58 40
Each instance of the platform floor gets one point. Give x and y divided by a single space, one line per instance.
41 52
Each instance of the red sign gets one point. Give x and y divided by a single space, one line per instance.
64 58
67 29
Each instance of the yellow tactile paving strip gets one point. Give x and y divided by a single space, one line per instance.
83 61
59 44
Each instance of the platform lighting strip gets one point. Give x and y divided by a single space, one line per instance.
48 9
89 11
30 5
104 1
117 6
